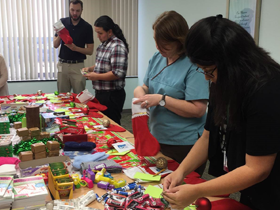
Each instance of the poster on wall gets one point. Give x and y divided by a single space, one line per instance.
247 14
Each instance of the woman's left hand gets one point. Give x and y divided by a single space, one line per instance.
181 196
148 100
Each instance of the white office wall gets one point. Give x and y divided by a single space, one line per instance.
270 28
192 11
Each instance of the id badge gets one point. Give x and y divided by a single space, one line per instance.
225 162
59 68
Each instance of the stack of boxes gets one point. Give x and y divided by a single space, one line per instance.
4 125
45 135
27 134
39 150
34 133
53 148
25 156
24 134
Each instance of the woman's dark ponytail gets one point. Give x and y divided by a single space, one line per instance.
107 23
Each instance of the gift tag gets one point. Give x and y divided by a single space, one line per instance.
59 68
122 146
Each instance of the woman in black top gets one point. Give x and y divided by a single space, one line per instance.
242 133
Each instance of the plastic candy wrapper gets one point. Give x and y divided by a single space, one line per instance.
63 32
110 166
85 96
72 204
83 72
87 199
67 204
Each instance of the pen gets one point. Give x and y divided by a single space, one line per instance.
162 170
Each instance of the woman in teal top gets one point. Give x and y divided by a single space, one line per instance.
173 90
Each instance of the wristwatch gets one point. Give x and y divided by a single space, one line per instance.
162 101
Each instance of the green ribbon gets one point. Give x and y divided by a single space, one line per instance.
26 145
14 117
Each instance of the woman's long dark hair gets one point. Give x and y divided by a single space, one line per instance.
243 67
107 23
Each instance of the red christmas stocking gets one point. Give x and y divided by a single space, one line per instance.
63 32
94 114
65 36
93 104
145 143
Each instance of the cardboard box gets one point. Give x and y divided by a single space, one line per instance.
17 125
23 132
48 121
38 147
34 171
40 155
12 106
53 145
4 125
45 135
25 138
52 153
26 156
6 147
34 132
44 161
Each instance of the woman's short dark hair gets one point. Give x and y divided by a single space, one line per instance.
170 26
77 2
242 66
107 24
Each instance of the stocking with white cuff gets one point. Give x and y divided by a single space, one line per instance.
145 143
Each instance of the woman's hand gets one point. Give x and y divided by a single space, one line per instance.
148 100
172 180
181 196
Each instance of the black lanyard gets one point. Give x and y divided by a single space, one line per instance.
165 68
222 134
223 140
223 131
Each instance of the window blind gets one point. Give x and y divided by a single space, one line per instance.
26 32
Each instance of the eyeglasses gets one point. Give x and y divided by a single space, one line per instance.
208 73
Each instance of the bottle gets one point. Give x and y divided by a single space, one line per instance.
23 121
40 122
